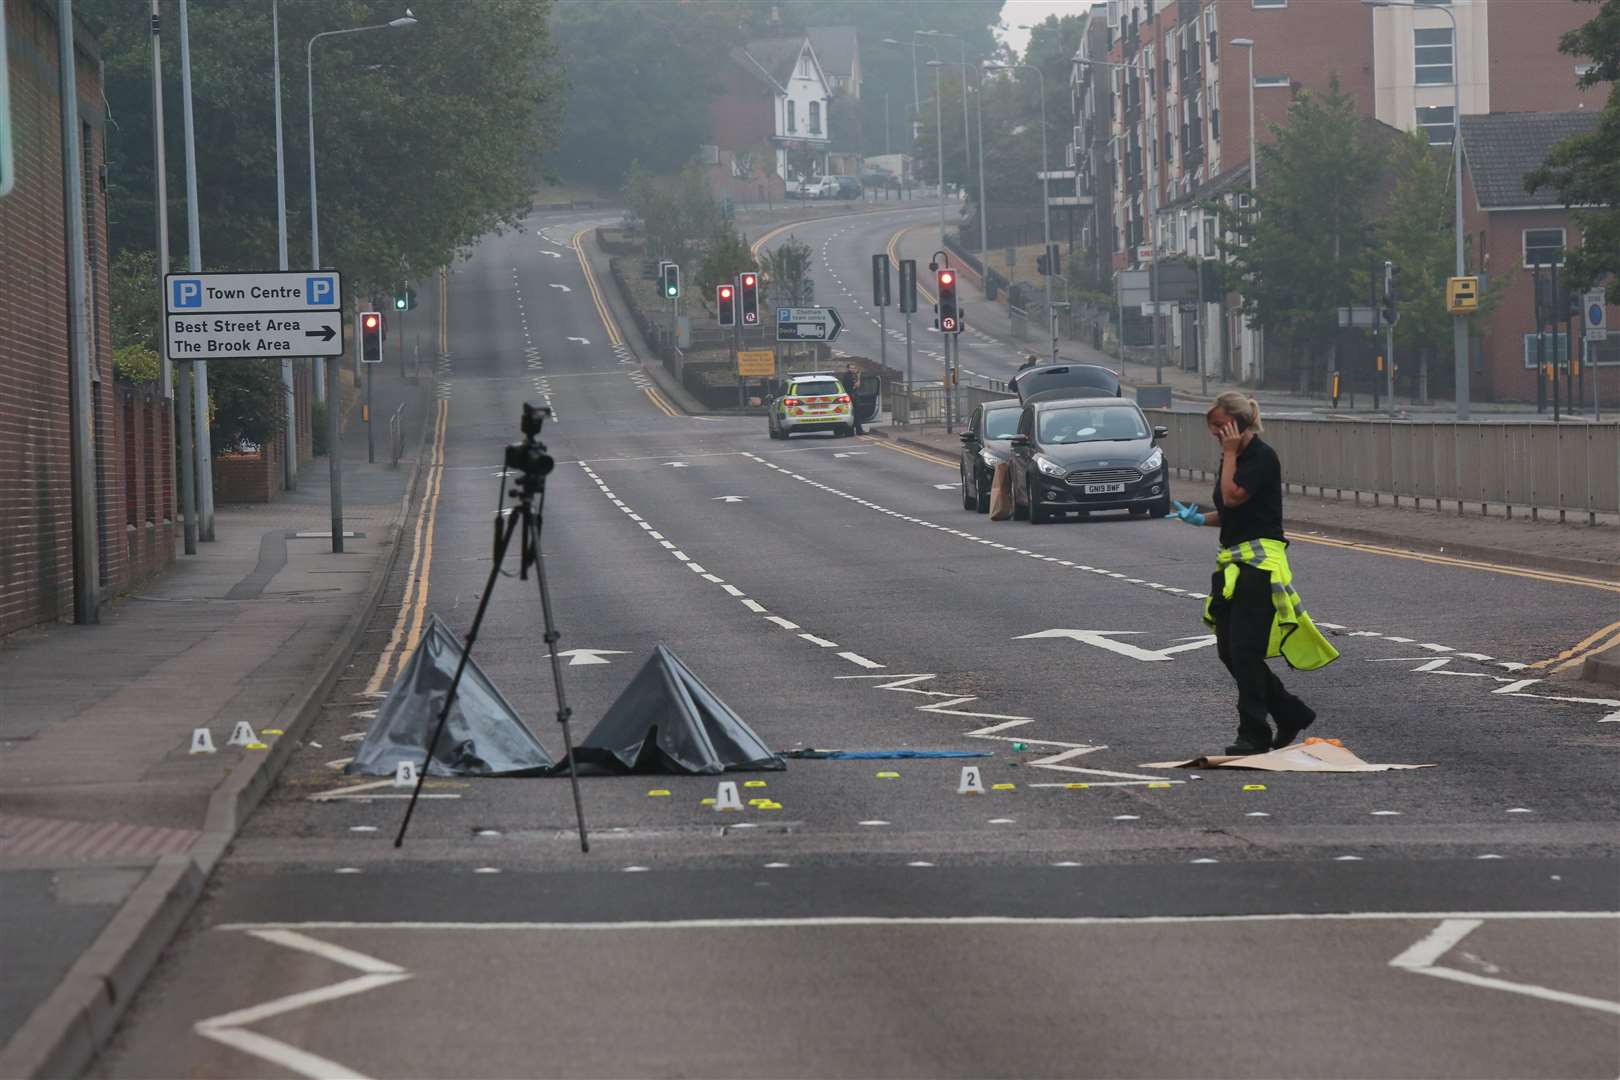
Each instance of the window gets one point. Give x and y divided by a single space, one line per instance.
1555 349
1431 56
1209 33
1215 122
792 119
1543 246
804 64
1437 123
1270 80
815 118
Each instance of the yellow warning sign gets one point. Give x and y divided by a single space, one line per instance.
756 363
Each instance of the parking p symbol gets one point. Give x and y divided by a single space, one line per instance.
187 292
318 291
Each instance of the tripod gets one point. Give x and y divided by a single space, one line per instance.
531 463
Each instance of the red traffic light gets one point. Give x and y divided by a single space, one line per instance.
748 281
946 277
725 292
371 322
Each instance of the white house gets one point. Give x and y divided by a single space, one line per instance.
787 72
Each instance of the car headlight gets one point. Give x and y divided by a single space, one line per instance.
1153 461
988 458
1049 467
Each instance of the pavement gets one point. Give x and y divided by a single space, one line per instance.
111 824
1088 915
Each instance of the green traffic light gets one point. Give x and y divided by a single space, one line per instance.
399 303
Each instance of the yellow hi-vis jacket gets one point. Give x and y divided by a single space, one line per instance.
1293 636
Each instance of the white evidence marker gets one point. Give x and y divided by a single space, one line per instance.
202 741
726 797
242 734
971 782
405 774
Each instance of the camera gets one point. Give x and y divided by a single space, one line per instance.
529 458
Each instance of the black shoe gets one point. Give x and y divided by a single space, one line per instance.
1245 749
1289 727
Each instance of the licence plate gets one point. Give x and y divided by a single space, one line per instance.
1104 489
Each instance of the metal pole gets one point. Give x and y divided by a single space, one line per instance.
290 404
188 469
81 397
1198 321
939 147
334 457
333 395
911 400
950 390
1046 212
1552 317
1459 323
1254 193
967 132
371 445
161 180
984 202
199 381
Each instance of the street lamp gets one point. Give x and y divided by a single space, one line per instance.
1046 199
1254 189
978 109
1459 323
334 449
939 139
916 96
967 157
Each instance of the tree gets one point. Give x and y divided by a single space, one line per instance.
725 256
1297 260
785 274
1585 170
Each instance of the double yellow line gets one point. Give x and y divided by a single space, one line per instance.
660 402
1600 641
1467 564
413 608
608 322
894 257
920 455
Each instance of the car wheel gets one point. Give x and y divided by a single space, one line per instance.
983 492
969 500
1161 509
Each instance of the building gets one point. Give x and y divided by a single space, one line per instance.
770 120
1510 232
1180 126
131 427
1090 88
838 49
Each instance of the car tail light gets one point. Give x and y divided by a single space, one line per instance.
843 399
791 401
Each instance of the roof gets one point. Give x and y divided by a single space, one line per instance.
836 48
771 59
1500 148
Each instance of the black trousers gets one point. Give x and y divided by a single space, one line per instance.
1242 632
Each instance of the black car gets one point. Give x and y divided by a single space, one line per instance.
1044 382
984 445
1082 454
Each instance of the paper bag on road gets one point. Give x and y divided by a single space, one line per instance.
1312 755
1001 500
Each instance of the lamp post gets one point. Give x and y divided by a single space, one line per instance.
978 109
290 425
1046 198
1254 187
967 157
1459 323
334 449
916 94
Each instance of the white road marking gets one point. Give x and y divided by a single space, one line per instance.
786 624
819 641
732 589
754 605
859 660
1422 958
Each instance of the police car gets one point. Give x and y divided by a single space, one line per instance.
811 401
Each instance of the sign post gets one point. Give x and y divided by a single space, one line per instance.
908 307
254 316
880 300
1594 318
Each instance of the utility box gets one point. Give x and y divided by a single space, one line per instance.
1462 295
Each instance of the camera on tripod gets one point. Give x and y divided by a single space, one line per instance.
529 458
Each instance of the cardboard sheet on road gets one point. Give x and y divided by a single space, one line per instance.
1313 755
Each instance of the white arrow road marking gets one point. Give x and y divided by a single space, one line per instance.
1422 957
584 657
944 487
849 453
230 1028
582 341
564 288
550 254
676 464
1102 640
727 498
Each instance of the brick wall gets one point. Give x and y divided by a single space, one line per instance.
1528 73
36 513
146 426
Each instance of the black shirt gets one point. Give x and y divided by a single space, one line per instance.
1258 472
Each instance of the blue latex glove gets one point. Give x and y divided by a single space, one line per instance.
1189 514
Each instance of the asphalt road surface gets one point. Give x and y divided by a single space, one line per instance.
1085 917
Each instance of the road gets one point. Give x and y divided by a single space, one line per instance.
1085 917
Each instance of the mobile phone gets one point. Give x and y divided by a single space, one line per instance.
1242 423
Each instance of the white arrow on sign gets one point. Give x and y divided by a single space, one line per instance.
582 341
582 657
727 498
1104 639
564 288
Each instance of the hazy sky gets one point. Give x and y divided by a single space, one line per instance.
1028 12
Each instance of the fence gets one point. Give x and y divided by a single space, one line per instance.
1534 467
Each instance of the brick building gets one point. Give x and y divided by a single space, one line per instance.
132 428
775 99
1510 231
1177 112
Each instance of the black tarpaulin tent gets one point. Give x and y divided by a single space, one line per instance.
483 736
667 721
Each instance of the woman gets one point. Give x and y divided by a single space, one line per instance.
1252 605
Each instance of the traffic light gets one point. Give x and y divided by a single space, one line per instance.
950 313
748 285
1392 292
1040 265
725 304
672 280
1051 262
908 285
880 280
370 337
405 300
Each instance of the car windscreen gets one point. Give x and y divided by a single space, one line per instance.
816 389
1001 423
1096 423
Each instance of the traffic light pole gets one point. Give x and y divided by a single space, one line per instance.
909 383
1389 366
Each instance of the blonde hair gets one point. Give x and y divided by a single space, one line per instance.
1238 407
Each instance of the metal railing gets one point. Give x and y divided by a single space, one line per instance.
1538 468
396 435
